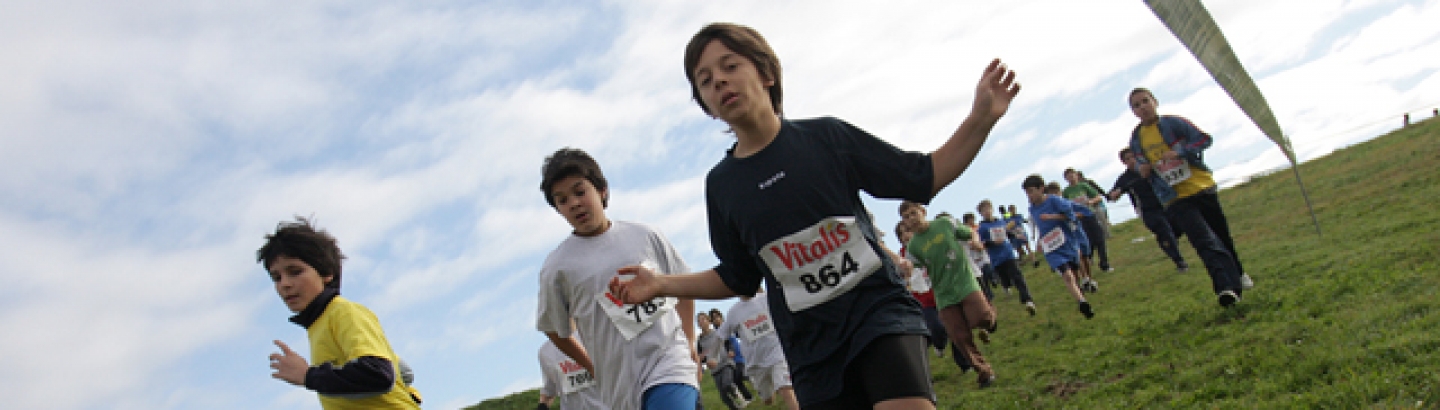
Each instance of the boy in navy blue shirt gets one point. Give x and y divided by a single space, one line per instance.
784 211
1053 217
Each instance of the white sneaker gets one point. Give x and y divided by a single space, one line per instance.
1245 282
1228 298
1030 307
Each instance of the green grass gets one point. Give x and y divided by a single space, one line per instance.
1346 320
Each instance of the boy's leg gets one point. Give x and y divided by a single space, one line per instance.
1218 262
890 372
1010 269
787 394
724 377
1067 272
1096 234
1164 236
1103 213
1208 203
985 286
670 396
739 381
959 324
937 338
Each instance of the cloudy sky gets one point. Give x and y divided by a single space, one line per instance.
147 146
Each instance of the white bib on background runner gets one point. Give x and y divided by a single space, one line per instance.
919 281
756 327
1173 171
575 377
820 262
1052 240
997 233
633 319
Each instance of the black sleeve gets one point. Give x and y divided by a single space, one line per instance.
364 375
737 267
882 169
1121 183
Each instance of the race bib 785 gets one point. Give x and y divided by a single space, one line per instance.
631 319
820 262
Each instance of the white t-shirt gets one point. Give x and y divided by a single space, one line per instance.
977 259
633 347
564 378
750 320
712 349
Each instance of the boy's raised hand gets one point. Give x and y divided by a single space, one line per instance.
643 287
996 90
289 366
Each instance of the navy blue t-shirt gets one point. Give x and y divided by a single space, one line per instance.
1142 195
794 207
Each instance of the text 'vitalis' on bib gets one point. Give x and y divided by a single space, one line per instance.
820 262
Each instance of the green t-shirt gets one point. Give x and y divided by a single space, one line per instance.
940 252
1082 188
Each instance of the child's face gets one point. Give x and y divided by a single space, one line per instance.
296 282
905 237
913 217
1035 194
581 204
730 85
987 212
1129 159
1143 106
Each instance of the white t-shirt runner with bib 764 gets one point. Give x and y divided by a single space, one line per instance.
820 262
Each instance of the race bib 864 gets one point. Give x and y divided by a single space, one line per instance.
820 262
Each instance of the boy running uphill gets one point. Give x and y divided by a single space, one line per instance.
1169 151
784 209
355 368
938 246
1053 217
750 318
566 380
641 350
1002 254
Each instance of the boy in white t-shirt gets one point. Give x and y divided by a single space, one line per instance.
567 380
750 319
640 353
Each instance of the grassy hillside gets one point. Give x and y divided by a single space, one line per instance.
1344 320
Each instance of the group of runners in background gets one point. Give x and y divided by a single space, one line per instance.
842 322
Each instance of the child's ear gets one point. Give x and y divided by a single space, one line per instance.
328 279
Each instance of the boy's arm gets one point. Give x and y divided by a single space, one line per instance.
686 309
993 95
574 349
647 285
366 371
1192 138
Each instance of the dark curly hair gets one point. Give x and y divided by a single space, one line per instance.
301 240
